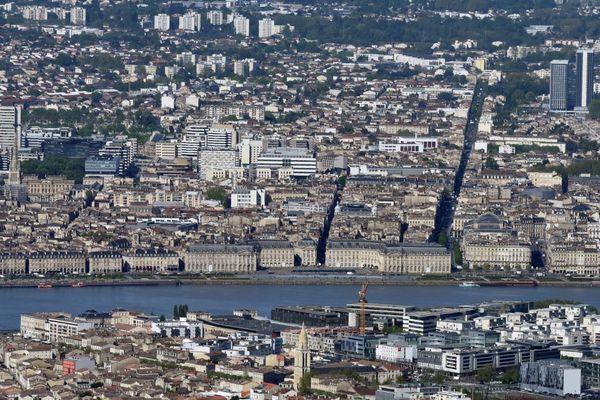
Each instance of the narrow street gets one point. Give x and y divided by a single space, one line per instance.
322 245
445 210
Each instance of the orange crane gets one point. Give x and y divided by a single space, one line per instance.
362 299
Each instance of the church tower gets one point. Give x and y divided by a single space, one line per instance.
14 172
301 358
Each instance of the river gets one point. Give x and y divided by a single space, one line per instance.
222 299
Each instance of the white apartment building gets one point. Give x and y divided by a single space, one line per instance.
166 150
211 159
217 111
450 395
61 328
222 136
241 25
244 67
266 28
450 325
35 13
408 145
244 198
35 325
10 120
167 101
218 62
215 17
250 149
162 22
299 162
78 16
198 129
395 353
187 22
187 57
189 146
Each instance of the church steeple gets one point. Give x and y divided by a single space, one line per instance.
303 338
301 358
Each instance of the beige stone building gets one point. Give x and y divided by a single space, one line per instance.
396 258
418 258
13 264
496 177
421 219
35 325
306 251
354 254
151 261
275 254
545 179
489 242
503 254
50 189
67 262
220 258
102 262
574 259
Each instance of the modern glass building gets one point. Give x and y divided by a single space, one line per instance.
559 85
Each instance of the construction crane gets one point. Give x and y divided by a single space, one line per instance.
362 299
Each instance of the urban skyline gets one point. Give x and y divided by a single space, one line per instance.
234 199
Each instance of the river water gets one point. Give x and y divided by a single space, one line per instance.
222 299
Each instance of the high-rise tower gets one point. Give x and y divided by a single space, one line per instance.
10 122
10 138
559 85
584 66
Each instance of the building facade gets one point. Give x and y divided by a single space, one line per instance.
66 262
584 66
394 258
78 16
10 121
559 86
13 264
216 159
105 262
275 254
162 22
151 261
300 162
214 258
582 260
50 189
241 26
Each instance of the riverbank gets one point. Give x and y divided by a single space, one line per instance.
288 280
222 299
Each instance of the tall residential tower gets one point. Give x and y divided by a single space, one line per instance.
584 66
572 86
10 122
